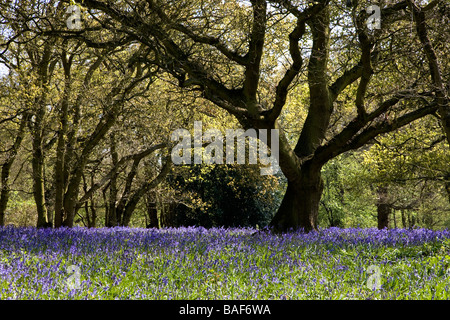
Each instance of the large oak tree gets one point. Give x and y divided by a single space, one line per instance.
226 50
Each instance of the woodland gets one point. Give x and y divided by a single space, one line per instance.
91 91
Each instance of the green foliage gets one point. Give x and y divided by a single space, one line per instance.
347 200
416 151
21 210
225 195
414 163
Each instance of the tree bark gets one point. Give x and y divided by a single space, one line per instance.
6 169
139 193
5 189
394 218
89 205
60 150
113 218
38 162
152 210
383 208
404 223
105 201
37 126
447 186
38 180
168 214
300 205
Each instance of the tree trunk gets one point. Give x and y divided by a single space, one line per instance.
152 210
300 206
383 208
113 220
60 182
447 186
105 202
139 193
4 195
168 213
130 207
394 218
89 205
71 196
91 213
413 221
133 201
93 220
37 163
6 168
70 203
404 223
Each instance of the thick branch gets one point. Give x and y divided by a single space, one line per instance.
366 60
204 39
320 108
349 140
117 168
347 78
331 149
291 73
255 52
433 63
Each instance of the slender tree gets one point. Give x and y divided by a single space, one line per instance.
6 166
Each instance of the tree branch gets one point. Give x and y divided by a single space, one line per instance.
291 73
213 41
117 168
254 55
349 139
433 63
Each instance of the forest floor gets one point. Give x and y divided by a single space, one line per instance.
199 263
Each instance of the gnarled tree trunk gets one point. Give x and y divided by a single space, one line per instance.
300 205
